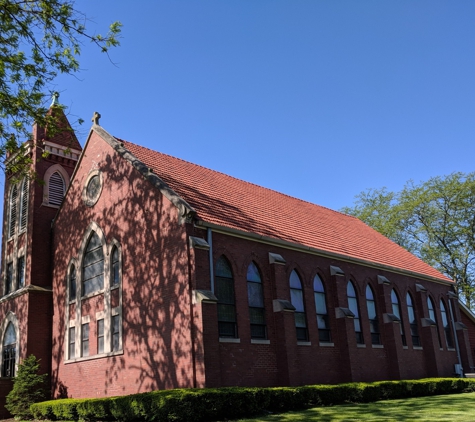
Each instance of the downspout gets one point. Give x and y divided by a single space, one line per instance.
457 348
211 265
192 322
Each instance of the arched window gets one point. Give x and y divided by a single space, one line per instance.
372 316
411 313
72 283
256 303
431 309
296 297
24 204
353 305
56 188
12 212
397 311
9 351
224 286
446 324
93 266
322 312
115 265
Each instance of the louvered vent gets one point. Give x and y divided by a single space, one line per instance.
24 205
13 198
56 189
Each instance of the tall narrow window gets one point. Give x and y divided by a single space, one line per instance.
100 336
56 189
372 316
85 340
322 312
115 267
411 313
20 279
256 303
397 311
9 278
115 333
12 214
93 266
431 308
24 204
224 285
296 297
446 324
353 305
72 283
9 351
72 343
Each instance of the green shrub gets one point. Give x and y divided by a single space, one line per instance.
28 388
213 404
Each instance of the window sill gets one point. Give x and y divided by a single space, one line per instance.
377 346
115 287
450 349
304 343
47 204
326 344
361 346
94 357
417 348
257 341
229 340
405 347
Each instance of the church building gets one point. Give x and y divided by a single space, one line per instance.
126 270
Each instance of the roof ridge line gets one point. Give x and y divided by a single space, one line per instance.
237 178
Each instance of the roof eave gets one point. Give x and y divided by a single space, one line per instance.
315 251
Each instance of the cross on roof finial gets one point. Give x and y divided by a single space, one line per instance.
95 118
55 97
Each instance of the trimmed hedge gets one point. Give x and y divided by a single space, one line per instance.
212 404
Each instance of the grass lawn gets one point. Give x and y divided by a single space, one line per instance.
453 407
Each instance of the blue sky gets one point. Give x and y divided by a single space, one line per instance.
317 99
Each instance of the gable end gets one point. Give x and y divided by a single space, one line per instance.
186 211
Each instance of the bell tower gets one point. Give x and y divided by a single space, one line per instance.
30 205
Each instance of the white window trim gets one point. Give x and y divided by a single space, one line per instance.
92 201
108 312
51 170
22 211
10 202
11 317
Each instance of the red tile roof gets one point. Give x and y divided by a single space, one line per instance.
233 203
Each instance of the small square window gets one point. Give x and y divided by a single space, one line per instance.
85 340
21 272
115 333
100 336
72 343
9 278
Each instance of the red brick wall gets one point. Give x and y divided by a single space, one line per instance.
471 335
251 364
156 299
6 386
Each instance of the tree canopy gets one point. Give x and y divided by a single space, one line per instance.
38 40
434 220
